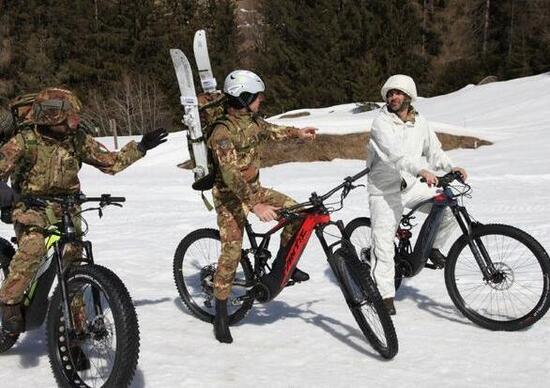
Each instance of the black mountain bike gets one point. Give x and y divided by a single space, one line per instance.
197 255
496 275
92 328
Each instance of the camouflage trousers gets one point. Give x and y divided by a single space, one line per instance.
231 219
29 225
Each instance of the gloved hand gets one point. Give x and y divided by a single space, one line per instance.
152 139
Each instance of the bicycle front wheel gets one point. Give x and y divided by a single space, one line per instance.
517 292
365 302
102 348
195 263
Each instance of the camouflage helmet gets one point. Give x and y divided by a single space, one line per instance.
52 106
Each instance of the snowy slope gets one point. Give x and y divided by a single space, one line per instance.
307 337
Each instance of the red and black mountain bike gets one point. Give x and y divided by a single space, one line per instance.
196 259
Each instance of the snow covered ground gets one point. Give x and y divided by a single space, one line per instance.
307 337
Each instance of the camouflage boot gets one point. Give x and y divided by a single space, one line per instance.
298 275
221 323
12 318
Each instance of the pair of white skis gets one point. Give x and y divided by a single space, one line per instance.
188 97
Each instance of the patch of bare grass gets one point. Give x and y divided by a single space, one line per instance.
350 146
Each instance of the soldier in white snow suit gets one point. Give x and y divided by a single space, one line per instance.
401 143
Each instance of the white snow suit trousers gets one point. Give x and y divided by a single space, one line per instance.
386 211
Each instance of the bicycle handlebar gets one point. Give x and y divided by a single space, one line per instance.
318 200
105 198
74 199
445 180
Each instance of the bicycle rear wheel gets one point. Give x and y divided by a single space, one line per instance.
102 349
7 340
365 302
517 292
195 263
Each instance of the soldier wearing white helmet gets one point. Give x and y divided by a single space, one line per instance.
402 148
234 142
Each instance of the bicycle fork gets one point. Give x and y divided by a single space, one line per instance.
476 245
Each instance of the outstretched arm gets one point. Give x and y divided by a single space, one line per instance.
96 154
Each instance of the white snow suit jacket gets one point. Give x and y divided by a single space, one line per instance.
399 150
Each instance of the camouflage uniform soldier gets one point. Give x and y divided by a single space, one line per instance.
237 189
44 159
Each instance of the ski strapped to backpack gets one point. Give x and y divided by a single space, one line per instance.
200 112
200 49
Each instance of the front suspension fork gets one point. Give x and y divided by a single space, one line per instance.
476 245
61 272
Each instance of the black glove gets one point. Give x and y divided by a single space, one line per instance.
152 139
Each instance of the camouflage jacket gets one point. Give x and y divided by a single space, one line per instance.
41 165
234 142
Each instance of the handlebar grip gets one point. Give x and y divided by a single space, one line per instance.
360 174
105 198
117 199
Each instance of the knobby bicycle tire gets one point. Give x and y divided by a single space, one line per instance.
360 291
514 299
118 319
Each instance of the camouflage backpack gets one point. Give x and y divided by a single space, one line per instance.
211 107
16 117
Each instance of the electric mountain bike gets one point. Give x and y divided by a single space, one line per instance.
196 258
496 275
92 328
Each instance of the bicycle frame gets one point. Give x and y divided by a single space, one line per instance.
52 265
413 262
313 219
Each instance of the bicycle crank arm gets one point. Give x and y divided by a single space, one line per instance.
243 298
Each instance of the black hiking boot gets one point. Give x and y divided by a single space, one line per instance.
437 258
299 276
221 323
12 318
80 360
390 307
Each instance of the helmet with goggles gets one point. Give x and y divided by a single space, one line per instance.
53 106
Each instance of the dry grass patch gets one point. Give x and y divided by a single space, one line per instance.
351 146
329 147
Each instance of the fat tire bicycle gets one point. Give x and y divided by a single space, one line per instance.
196 258
498 276
90 310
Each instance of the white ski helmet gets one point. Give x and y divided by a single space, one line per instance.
400 82
243 81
